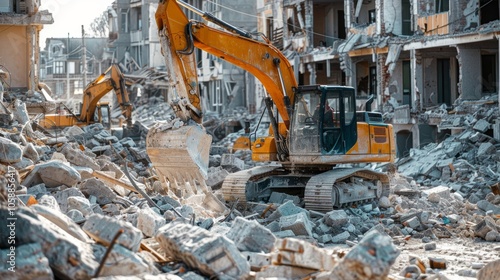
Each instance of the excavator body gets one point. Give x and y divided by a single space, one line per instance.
316 128
92 110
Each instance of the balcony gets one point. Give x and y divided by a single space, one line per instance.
436 24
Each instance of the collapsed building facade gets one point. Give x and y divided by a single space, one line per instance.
414 56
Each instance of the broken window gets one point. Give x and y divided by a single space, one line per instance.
489 11
269 28
372 16
488 71
78 87
442 6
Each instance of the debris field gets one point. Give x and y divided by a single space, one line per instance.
86 204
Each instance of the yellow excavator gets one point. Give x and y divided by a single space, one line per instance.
316 128
92 110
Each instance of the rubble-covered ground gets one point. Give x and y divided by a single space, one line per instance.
86 205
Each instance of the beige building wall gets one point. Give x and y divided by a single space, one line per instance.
14 54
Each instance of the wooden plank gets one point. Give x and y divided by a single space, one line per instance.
111 180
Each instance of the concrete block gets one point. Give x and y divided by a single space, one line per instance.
280 198
30 152
257 260
124 262
486 149
53 174
284 233
488 206
232 163
300 253
413 223
481 125
62 221
78 157
68 257
251 236
212 254
49 201
81 204
336 218
103 229
283 272
372 258
341 237
298 223
29 263
442 191
286 209
98 189
10 152
148 221
482 228
62 197
76 216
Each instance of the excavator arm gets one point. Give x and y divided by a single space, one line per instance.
100 87
260 58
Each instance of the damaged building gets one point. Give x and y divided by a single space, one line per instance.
414 56
21 22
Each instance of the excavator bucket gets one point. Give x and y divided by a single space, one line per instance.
180 156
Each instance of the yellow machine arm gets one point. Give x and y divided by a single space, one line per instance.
179 36
100 87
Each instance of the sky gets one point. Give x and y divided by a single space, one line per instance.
69 16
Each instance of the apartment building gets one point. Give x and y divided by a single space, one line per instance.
20 24
135 43
414 56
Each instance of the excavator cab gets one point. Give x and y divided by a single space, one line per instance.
324 120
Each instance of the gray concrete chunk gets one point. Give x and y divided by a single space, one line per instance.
103 229
213 254
98 189
53 174
336 218
10 152
251 236
28 263
298 223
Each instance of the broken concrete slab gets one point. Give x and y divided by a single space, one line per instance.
62 221
10 152
68 257
148 221
53 173
212 254
298 223
97 188
299 253
371 259
79 158
123 262
251 236
24 262
103 229
336 218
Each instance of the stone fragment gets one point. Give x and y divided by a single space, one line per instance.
53 174
251 236
437 263
282 272
97 188
341 237
81 204
336 218
103 229
257 260
286 209
486 149
232 163
212 254
482 228
280 198
76 216
124 262
371 259
148 221
10 152
77 157
31 152
62 197
481 125
384 202
68 257
298 223
299 253
488 206
430 246
62 221
25 262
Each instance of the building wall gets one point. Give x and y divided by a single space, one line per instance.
470 77
14 54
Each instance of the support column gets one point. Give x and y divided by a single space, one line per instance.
417 79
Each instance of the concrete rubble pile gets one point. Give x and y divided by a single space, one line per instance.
88 205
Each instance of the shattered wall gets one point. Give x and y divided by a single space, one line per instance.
392 17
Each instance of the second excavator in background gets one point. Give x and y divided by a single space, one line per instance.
314 128
92 109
